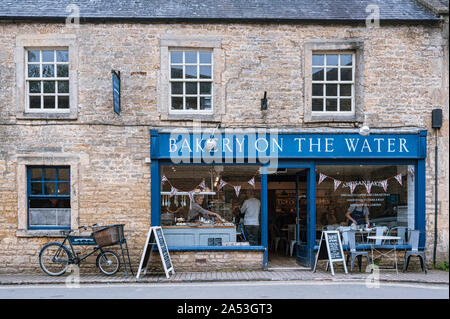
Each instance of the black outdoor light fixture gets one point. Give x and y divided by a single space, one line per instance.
264 102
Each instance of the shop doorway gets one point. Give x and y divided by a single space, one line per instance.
287 217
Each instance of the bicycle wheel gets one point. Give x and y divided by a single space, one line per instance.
108 262
54 259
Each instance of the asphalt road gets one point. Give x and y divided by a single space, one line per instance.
230 290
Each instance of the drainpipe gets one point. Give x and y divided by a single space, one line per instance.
436 124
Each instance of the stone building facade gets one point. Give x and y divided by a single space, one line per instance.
403 76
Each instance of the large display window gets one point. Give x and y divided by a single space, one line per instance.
357 195
211 205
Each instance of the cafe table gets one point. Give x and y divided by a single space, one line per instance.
384 252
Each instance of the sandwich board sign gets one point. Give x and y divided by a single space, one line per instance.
155 236
330 247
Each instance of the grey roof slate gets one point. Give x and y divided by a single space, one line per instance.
294 10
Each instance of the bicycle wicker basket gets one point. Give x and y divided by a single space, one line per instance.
108 235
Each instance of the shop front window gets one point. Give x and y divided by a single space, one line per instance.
357 195
211 205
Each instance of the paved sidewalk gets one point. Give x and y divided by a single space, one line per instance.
432 277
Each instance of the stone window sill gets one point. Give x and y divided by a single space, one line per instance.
39 233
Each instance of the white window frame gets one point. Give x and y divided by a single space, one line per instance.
198 80
42 79
170 42
338 83
25 42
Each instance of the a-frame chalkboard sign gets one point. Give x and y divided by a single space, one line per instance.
330 247
155 236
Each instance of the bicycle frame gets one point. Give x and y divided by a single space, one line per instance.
77 241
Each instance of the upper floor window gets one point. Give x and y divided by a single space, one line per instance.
191 80
47 80
333 82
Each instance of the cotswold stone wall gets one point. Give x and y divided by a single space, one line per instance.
404 78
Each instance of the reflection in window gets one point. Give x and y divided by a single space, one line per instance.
205 205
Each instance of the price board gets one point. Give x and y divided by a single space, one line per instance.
155 236
330 247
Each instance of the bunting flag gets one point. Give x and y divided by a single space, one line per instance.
398 177
384 184
222 183
352 186
411 170
163 179
368 186
202 184
336 184
252 182
191 195
237 188
173 190
321 178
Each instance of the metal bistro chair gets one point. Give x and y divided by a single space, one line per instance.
291 239
349 237
380 231
413 240
399 231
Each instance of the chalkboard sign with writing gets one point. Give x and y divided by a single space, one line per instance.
156 236
330 247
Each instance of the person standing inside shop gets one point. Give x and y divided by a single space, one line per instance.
251 208
198 211
358 214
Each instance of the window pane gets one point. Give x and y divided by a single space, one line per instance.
332 74
205 57
36 174
36 188
205 88
48 56
49 86
63 174
317 74
63 102
345 105
317 90
176 72
34 70
346 74
177 87
332 59
331 105
191 103
63 86
177 103
35 86
318 59
205 103
205 72
63 70
63 189
317 105
49 102
48 70
190 57
49 174
346 59
33 56
49 188
35 102
345 90
191 87
176 57
331 89
191 72
62 56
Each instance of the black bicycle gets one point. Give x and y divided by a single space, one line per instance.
55 257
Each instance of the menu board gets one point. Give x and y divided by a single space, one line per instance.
330 247
156 236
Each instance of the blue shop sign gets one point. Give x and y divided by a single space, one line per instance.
182 147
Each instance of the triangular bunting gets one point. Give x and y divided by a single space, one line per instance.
173 190
368 186
252 182
321 178
237 188
399 178
222 183
336 184
384 184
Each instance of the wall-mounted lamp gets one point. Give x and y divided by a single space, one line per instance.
264 102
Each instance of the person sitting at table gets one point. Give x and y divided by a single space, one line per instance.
358 214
